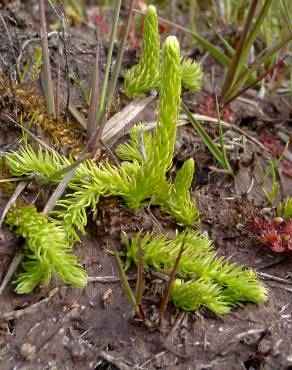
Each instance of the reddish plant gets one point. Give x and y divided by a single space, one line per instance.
275 234
100 21
208 108
287 167
274 145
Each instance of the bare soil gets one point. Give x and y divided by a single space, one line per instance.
94 328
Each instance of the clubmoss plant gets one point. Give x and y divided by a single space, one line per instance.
174 197
47 251
145 75
192 75
41 164
88 183
105 180
217 284
135 180
131 150
179 204
198 261
153 171
193 294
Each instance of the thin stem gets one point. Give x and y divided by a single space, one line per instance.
108 62
19 189
58 91
238 51
16 261
93 106
120 55
170 283
227 165
125 284
253 83
48 85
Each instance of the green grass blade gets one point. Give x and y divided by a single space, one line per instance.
253 34
139 285
94 98
108 61
216 53
286 11
246 75
240 47
229 49
261 76
227 164
205 137
125 284
118 63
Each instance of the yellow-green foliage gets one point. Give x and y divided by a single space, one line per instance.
47 251
153 171
145 75
135 180
284 208
192 75
214 280
179 203
193 294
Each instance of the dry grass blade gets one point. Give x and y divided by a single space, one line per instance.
117 124
61 188
94 138
18 257
33 136
19 189
107 279
48 85
17 314
16 261
117 66
93 107
77 115
15 66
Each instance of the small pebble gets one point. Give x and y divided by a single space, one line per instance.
278 220
264 346
27 350
77 351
